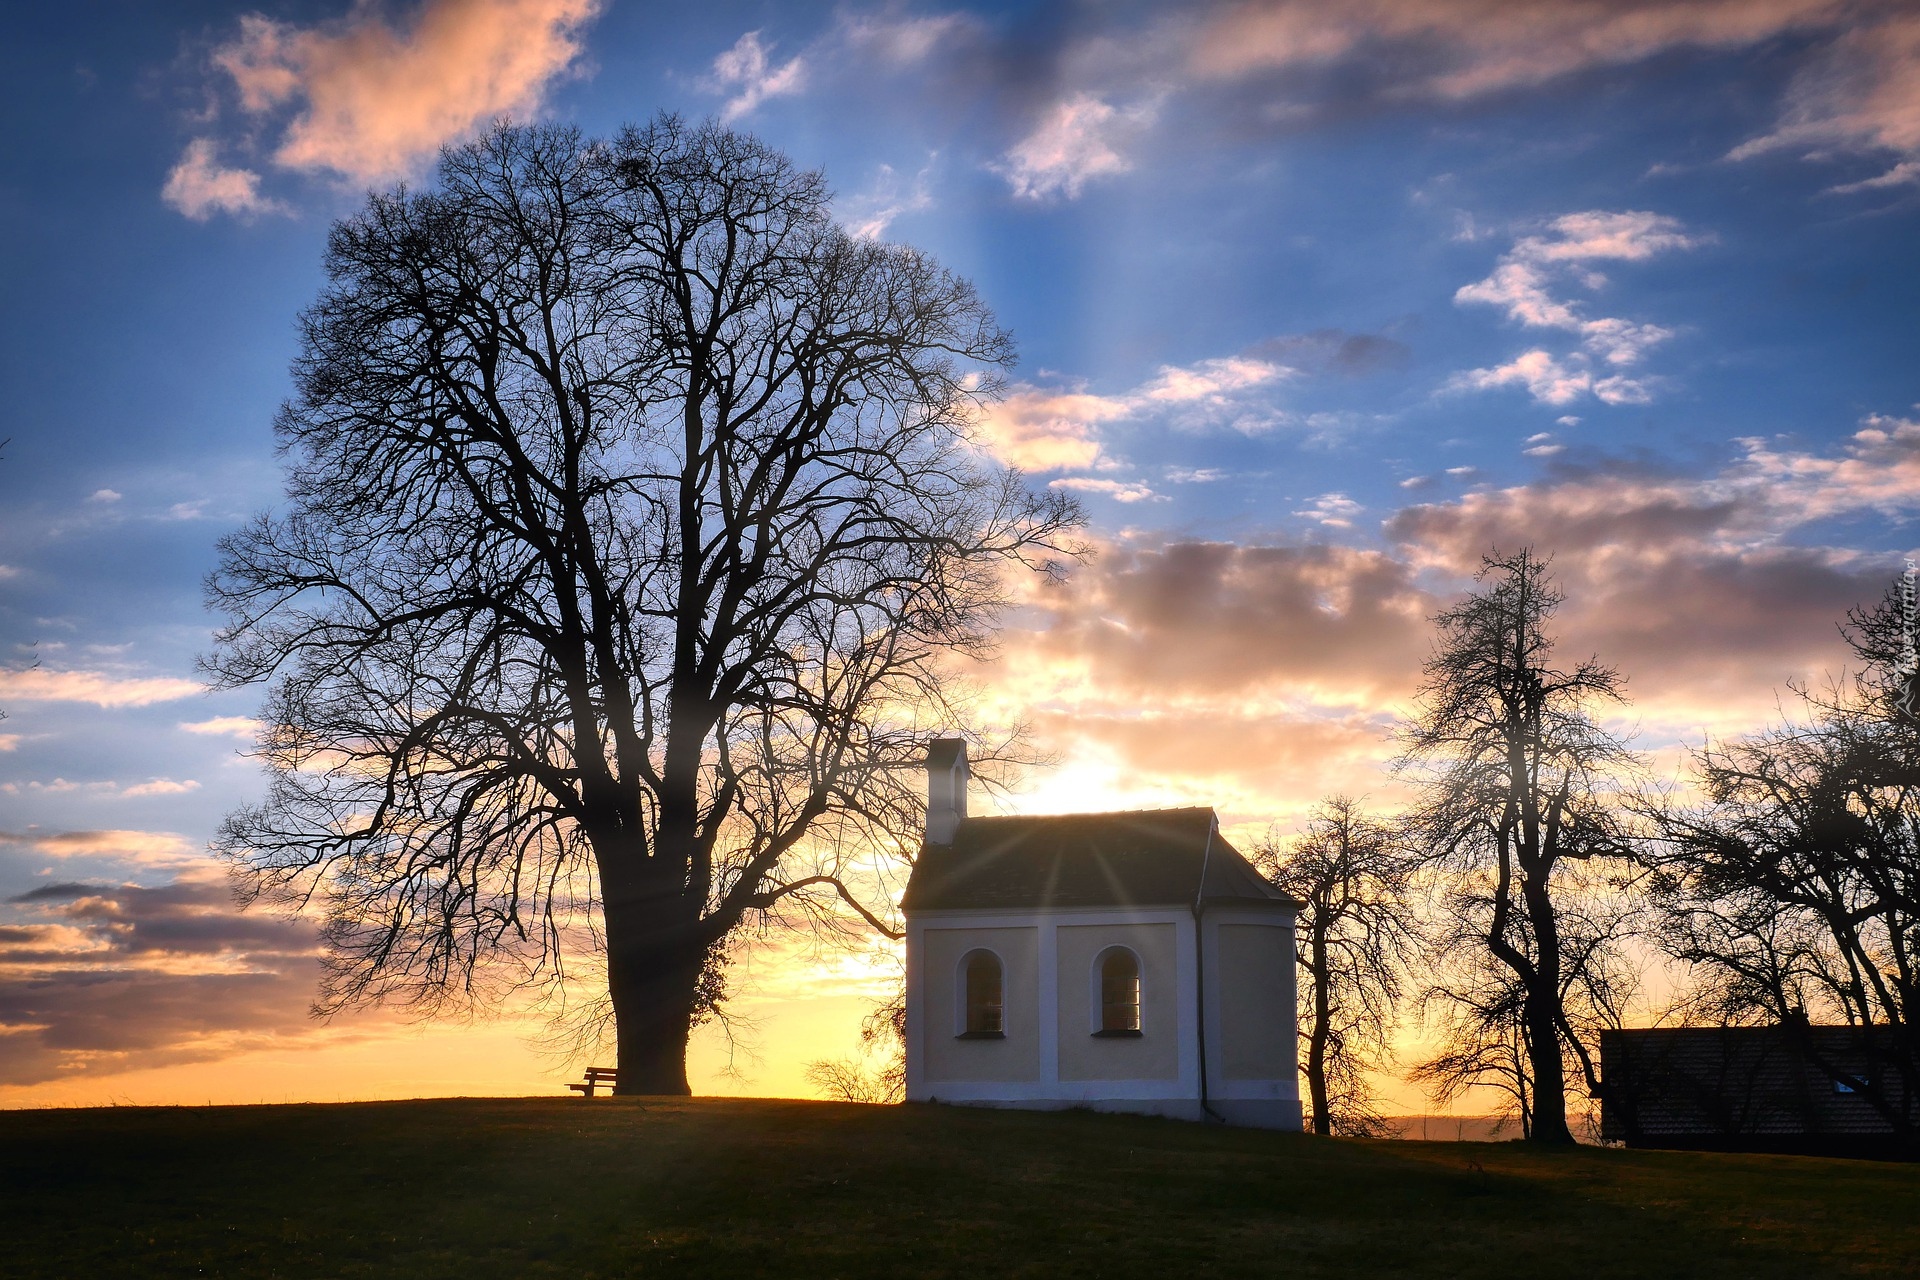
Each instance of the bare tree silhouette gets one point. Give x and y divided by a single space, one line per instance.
631 515
1516 781
1355 937
1792 891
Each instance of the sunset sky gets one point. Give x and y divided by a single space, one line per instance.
1316 303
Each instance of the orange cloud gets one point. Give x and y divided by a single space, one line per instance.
377 98
147 848
1040 430
1259 678
97 687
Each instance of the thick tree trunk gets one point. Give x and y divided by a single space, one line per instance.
655 953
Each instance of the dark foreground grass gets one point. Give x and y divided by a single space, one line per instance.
565 1187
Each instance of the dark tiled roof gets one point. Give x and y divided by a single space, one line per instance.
1674 1082
1152 858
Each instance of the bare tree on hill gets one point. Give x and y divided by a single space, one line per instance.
630 514
1517 803
1354 939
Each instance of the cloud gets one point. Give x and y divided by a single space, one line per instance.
1185 621
868 215
1859 94
1693 585
1263 66
1252 678
1043 429
1877 469
146 848
103 495
1060 429
97 978
747 73
1523 285
372 96
1210 382
199 186
243 727
1037 429
1333 510
1260 677
1454 50
1333 350
41 684
161 787
1904 174
9 742
1552 381
1075 141
1118 490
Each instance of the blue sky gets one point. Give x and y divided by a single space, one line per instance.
1314 306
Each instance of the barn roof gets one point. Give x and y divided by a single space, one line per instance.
1150 858
1663 1083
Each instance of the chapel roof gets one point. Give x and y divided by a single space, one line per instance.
1146 858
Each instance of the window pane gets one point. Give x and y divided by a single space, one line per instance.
983 993
1119 992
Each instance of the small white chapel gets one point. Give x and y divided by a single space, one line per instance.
1119 961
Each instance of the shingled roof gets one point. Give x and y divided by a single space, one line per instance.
1151 858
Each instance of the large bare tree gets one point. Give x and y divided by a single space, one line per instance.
1517 787
1356 934
631 509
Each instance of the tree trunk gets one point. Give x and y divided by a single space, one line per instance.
1317 1043
655 953
1543 1021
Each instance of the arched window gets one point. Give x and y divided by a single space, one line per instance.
1119 992
981 976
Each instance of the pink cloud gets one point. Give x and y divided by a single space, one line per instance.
199 186
1858 91
1075 141
101 978
1525 284
1471 48
374 97
1118 490
1862 93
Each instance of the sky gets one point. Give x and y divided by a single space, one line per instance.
1316 305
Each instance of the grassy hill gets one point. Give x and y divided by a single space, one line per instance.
617 1187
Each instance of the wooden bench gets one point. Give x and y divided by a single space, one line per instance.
597 1076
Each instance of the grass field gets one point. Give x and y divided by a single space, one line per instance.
618 1187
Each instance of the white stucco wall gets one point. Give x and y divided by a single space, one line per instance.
1014 1059
1085 1056
1050 1058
